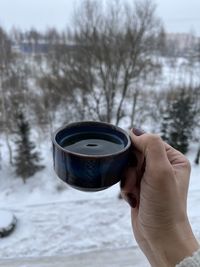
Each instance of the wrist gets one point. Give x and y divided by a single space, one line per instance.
171 248
170 254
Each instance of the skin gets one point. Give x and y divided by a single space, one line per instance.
156 190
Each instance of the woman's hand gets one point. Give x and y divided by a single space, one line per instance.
157 192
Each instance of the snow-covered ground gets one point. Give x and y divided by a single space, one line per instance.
56 220
106 258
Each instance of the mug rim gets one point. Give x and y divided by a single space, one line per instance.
117 128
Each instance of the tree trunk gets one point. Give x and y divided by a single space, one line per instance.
0 158
124 92
197 156
9 148
135 97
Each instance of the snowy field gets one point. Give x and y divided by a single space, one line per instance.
56 220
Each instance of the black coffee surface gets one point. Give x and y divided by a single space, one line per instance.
91 144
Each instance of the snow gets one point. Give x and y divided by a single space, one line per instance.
6 219
56 220
69 227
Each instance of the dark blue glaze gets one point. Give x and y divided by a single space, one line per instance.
90 172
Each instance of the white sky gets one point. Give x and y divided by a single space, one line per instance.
178 15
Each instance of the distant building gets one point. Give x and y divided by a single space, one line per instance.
30 48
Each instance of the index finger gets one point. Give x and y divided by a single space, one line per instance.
154 151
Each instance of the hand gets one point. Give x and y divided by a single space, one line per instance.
157 192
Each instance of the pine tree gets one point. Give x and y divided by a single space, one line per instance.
26 159
178 120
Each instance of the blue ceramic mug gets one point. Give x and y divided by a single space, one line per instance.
90 156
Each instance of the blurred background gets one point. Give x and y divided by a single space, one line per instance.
130 63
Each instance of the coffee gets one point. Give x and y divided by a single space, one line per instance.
92 144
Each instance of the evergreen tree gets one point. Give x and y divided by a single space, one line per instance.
26 159
178 120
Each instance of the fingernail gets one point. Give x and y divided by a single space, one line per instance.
131 200
137 131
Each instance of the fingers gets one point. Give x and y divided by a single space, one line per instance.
153 149
154 159
157 166
176 158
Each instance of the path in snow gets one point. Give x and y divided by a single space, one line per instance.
131 257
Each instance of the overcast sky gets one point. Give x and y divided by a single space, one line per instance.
178 15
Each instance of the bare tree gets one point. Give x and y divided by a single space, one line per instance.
14 89
116 47
108 49
52 89
6 58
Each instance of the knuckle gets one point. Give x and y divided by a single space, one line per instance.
167 172
187 164
163 172
154 138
